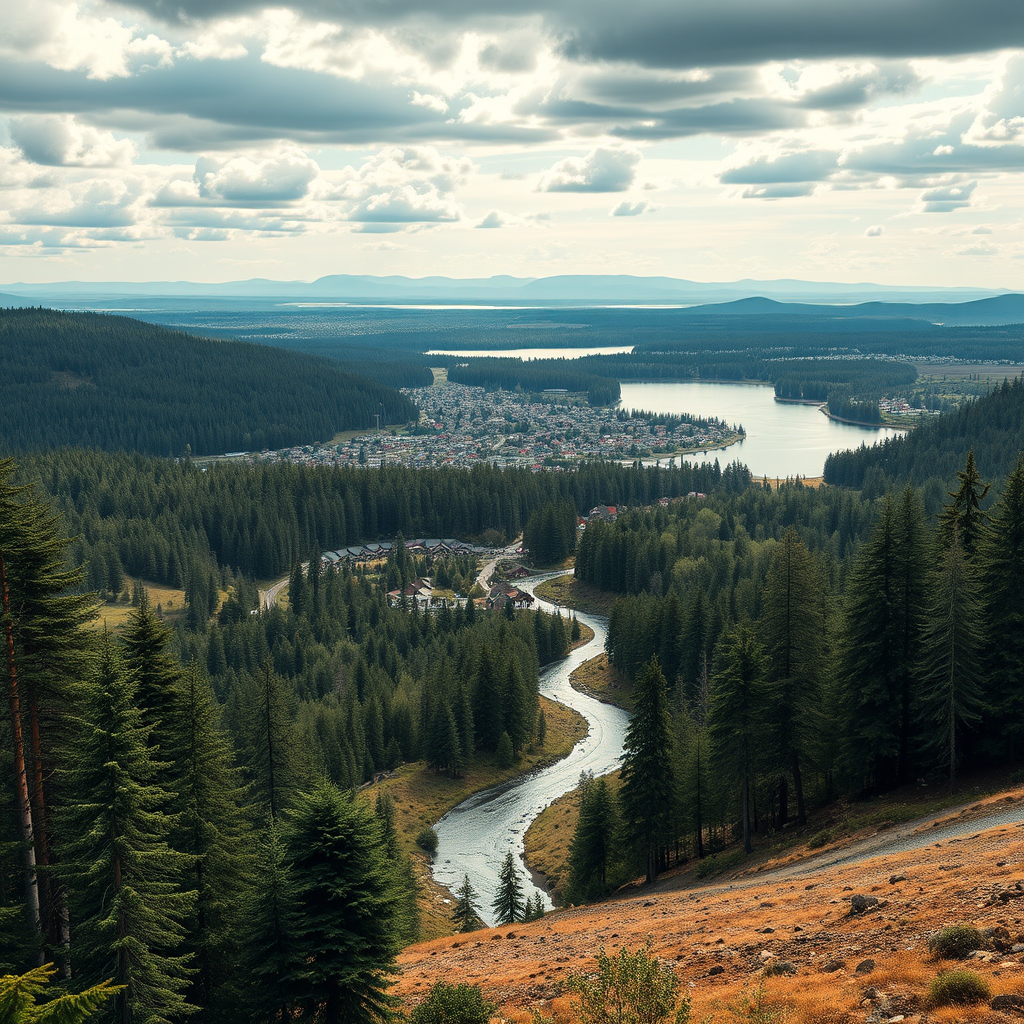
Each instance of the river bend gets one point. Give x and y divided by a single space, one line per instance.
474 837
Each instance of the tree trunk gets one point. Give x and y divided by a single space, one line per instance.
783 801
21 778
798 785
747 848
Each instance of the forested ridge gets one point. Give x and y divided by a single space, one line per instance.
119 384
157 518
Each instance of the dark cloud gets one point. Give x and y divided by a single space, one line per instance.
217 104
878 80
735 117
685 33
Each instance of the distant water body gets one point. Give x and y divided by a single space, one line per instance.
783 439
529 354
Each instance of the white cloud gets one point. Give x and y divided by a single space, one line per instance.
404 205
628 209
601 170
60 141
280 177
875 231
494 219
948 198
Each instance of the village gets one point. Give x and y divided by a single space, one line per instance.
464 426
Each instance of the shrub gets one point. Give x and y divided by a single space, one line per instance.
628 987
427 840
819 839
958 988
453 1004
956 942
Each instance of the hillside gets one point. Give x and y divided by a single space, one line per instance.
118 384
784 940
993 426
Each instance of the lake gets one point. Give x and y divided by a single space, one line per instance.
782 440
529 354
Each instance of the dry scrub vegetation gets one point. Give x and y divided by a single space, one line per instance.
784 948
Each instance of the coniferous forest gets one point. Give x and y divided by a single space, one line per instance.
178 803
118 384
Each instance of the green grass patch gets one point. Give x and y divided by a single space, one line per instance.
571 593
958 988
719 862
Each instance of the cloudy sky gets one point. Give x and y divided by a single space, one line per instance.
214 140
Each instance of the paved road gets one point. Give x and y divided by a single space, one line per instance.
269 597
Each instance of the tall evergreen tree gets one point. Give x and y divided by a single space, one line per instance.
124 880
211 829
886 597
508 905
348 909
1001 565
594 843
272 963
963 518
466 912
646 773
736 718
401 866
792 633
951 671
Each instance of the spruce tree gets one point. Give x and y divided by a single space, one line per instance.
1001 565
793 636
951 670
593 845
211 828
124 881
401 866
508 905
466 912
272 959
347 908
963 518
646 774
736 715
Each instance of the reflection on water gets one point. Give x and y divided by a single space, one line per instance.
529 354
782 439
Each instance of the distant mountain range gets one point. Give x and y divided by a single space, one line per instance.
973 306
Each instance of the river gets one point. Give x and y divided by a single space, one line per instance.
474 837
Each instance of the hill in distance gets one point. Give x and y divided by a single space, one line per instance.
118 384
563 289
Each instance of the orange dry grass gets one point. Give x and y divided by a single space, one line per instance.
719 938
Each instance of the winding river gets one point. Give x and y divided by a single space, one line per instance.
474 837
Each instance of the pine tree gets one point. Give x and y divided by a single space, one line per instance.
1001 565
508 906
951 671
347 909
272 959
736 715
401 866
124 880
466 912
886 597
488 707
792 633
593 845
646 792
20 995
212 830
963 518
49 646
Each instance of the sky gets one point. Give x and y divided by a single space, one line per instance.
213 140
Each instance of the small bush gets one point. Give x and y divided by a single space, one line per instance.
720 862
956 942
819 839
958 988
427 840
453 1004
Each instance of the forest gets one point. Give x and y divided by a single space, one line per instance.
118 384
176 803
177 808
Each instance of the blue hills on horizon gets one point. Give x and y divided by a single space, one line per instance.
950 306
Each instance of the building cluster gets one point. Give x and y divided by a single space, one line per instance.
463 426
436 547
